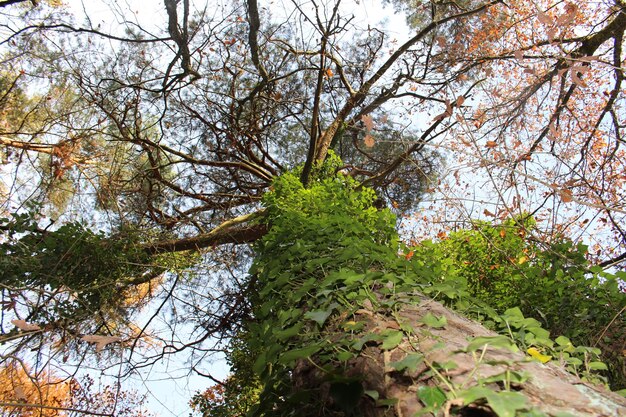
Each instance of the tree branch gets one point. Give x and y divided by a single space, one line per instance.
360 96
223 234
255 24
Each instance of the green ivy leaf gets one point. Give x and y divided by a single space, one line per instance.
433 321
511 376
288 332
492 341
562 341
318 316
472 394
410 362
506 404
392 340
299 353
597 366
345 356
259 364
373 394
431 396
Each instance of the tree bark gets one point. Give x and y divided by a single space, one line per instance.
549 388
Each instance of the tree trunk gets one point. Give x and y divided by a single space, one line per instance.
549 389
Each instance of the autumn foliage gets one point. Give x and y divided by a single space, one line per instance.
19 386
28 393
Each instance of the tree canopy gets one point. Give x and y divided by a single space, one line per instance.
177 180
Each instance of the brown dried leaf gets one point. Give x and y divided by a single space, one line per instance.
100 341
544 18
554 133
20 393
369 141
368 121
566 195
23 325
577 80
491 144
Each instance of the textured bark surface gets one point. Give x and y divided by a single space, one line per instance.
549 388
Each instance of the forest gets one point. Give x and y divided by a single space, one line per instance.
358 207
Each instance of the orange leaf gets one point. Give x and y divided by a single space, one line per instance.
502 233
369 141
328 73
409 255
491 144
566 195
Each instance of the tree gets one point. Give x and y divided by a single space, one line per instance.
26 393
177 139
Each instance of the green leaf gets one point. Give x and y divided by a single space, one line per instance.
368 337
574 361
345 356
318 316
392 340
299 353
492 341
510 376
562 341
410 362
597 366
373 394
472 394
506 404
433 321
513 314
431 396
446 366
259 364
288 332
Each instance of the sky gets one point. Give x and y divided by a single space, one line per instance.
169 384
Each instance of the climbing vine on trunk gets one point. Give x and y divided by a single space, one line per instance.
333 286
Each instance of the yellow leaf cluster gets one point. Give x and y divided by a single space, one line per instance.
26 391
